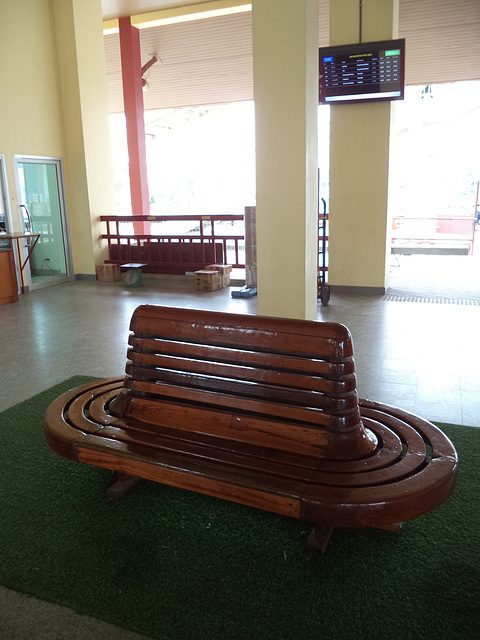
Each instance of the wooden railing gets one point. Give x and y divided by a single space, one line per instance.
165 249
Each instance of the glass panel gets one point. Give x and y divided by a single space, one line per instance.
42 213
3 213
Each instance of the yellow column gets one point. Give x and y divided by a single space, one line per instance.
285 72
88 165
359 243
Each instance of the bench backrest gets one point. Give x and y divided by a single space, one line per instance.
281 383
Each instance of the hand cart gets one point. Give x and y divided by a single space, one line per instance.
323 289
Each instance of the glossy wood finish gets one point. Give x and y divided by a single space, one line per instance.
8 278
259 411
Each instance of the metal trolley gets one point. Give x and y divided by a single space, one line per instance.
323 289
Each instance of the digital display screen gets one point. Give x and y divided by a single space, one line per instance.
366 71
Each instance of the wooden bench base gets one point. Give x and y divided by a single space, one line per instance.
410 472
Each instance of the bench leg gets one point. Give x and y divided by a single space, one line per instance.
121 486
319 538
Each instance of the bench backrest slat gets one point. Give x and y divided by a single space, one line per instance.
331 340
334 387
312 417
276 361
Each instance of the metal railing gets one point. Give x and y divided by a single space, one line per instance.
432 232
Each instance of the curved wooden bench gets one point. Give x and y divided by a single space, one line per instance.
260 411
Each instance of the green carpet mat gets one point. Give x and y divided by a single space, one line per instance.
180 566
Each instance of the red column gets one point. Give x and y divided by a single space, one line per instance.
133 103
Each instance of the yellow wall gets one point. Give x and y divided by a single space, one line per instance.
285 71
359 161
30 107
54 103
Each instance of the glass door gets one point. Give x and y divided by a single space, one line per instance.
42 210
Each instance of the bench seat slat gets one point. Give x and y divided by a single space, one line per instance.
373 506
76 409
240 485
385 458
192 427
253 459
211 450
301 456
229 425
336 388
244 356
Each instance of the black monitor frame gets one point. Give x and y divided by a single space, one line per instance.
362 72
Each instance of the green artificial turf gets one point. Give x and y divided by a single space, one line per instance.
181 566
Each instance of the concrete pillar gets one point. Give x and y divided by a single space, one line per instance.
285 72
359 243
134 110
83 90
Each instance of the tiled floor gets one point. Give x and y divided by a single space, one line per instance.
433 277
421 357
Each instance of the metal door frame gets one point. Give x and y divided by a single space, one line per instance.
5 193
58 163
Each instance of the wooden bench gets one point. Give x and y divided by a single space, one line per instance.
260 411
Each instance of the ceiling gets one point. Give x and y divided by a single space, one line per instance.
120 8
210 61
200 62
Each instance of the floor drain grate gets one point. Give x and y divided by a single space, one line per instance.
425 300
